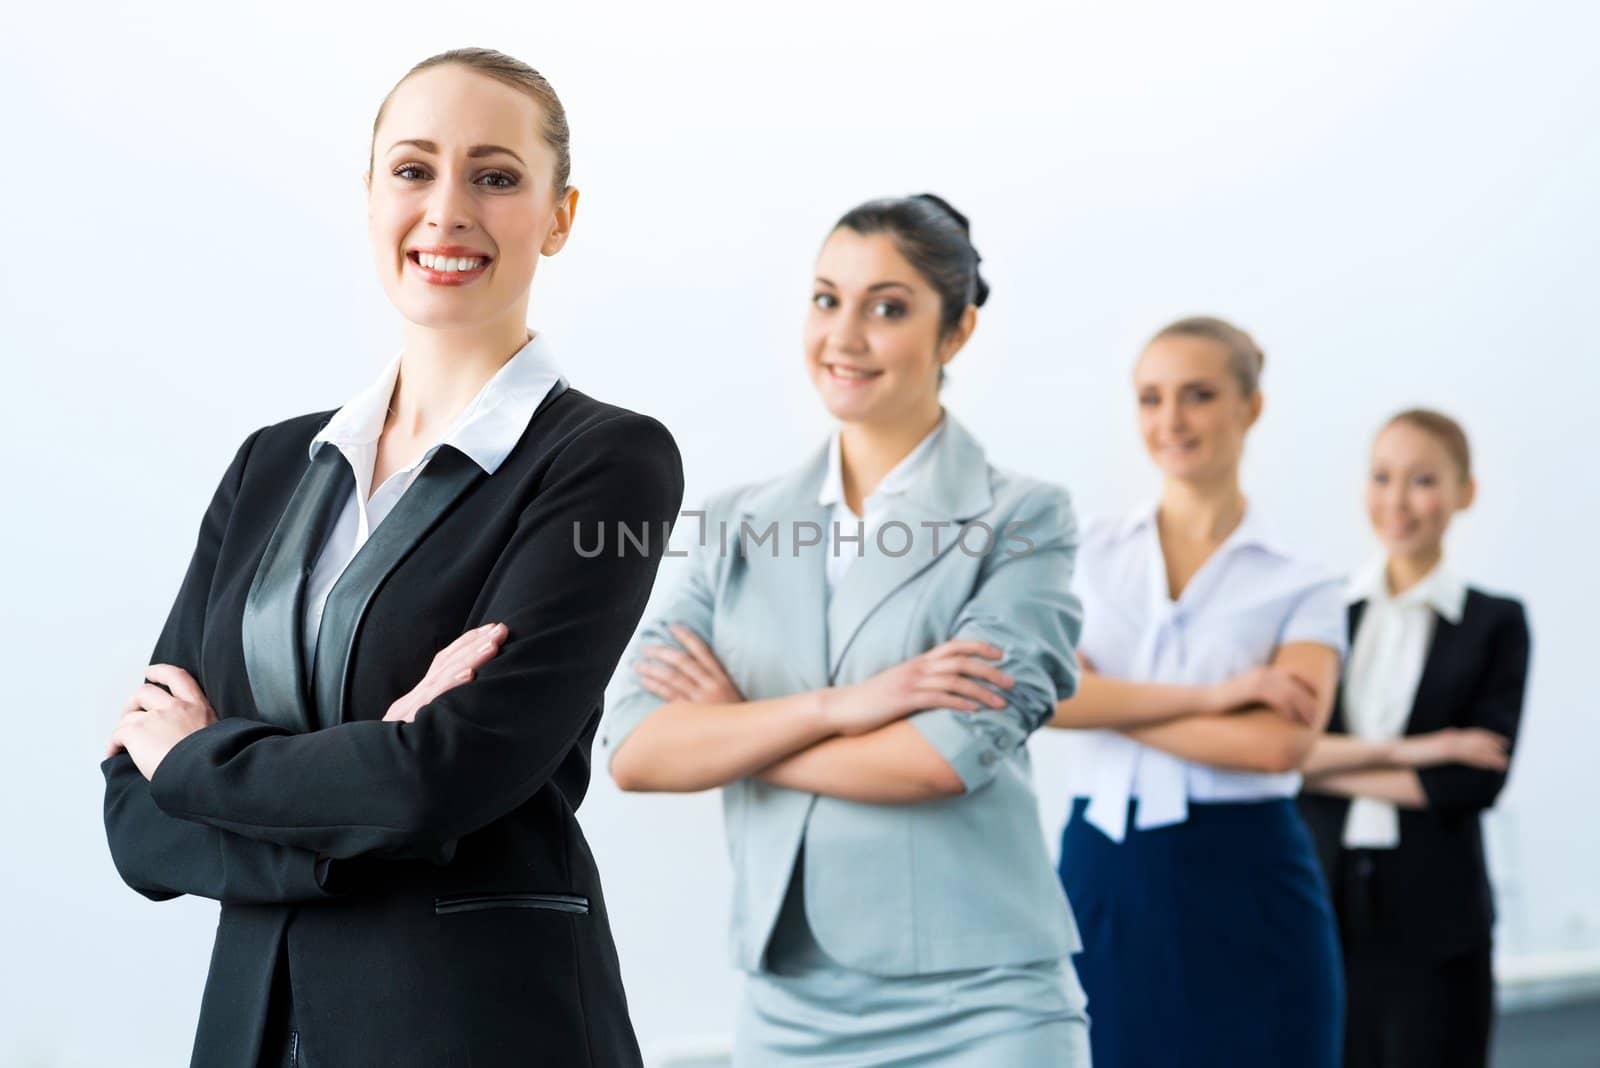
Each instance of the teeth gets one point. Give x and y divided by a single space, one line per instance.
449 263
845 372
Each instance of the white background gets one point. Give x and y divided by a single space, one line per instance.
1398 199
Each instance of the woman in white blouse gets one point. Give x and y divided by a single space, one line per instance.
1210 659
1417 749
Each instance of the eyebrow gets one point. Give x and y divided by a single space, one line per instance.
472 153
874 286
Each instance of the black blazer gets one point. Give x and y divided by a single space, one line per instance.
1431 895
460 920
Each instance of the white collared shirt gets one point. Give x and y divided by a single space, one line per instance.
1248 598
1386 661
843 547
486 430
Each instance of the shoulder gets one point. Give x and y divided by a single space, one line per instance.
1046 508
1497 610
576 416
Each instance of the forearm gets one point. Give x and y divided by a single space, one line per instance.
1118 703
894 764
1259 740
685 746
1399 786
163 857
1344 752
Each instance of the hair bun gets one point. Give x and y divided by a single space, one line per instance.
948 208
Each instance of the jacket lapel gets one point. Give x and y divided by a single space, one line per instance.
442 481
270 627
1433 686
952 487
784 574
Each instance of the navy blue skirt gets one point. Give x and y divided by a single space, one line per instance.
1207 944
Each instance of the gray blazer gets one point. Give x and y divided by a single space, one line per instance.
894 889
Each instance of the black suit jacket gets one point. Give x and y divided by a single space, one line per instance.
1431 896
460 920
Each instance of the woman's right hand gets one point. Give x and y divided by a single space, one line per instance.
942 677
452 666
1472 746
1282 691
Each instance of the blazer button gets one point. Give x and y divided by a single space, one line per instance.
987 757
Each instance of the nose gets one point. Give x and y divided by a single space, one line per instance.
449 208
846 335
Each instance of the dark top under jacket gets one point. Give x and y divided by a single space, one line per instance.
1430 896
460 920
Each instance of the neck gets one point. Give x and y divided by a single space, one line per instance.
1404 572
1202 511
868 451
442 370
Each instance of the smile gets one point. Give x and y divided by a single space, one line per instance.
448 270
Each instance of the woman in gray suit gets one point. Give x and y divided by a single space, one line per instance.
856 656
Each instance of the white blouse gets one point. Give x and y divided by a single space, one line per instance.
1248 598
1386 661
841 553
486 430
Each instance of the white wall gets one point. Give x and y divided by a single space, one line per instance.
1398 199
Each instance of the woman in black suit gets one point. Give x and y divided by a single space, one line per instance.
1418 747
402 877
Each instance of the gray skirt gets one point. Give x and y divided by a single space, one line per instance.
806 1009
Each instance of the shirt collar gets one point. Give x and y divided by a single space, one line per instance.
1440 589
486 429
899 476
1253 529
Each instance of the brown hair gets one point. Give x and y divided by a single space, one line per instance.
1245 358
1443 429
518 75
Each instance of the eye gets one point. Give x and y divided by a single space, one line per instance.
1201 394
889 309
825 301
1380 478
1426 481
1149 400
509 183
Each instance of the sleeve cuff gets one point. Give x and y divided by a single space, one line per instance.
974 753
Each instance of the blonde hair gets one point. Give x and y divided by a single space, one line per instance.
518 75
1443 429
1245 358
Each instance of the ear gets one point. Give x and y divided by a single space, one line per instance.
958 335
1469 493
1254 404
561 223
366 181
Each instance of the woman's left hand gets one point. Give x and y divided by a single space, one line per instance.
693 676
154 720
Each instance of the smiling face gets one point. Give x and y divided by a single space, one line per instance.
1193 412
872 343
461 200
1414 489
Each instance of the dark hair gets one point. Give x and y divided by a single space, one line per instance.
1245 358
934 238
508 71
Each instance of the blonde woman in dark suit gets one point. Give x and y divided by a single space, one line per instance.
1418 748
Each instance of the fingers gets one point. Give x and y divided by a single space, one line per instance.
692 670
179 681
967 646
699 650
662 681
152 697
960 685
936 698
